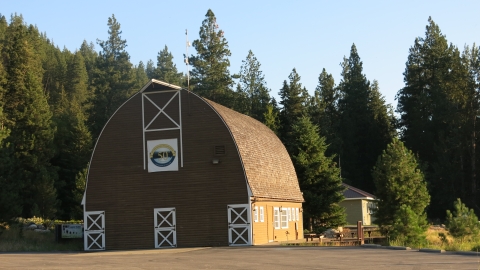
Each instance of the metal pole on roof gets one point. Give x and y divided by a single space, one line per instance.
186 59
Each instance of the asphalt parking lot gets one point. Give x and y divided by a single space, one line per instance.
278 257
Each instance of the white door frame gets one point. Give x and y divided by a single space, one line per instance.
237 225
94 230
164 227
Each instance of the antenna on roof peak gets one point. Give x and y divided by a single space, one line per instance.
186 59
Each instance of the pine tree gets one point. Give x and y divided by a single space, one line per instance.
318 176
150 70
408 227
73 139
253 86
3 80
166 70
471 61
141 77
271 117
76 82
90 58
26 174
399 181
364 129
210 76
462 223
54 64
324 110
293 99
114 81
438 108
9 190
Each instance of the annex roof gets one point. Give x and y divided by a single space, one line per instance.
355 193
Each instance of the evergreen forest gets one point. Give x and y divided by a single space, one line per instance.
54 103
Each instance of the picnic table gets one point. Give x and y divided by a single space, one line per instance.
309 235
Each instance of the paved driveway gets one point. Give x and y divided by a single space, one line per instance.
243 258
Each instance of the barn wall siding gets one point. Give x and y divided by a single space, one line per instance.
200 191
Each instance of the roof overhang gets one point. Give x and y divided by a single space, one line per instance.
360 198
158 86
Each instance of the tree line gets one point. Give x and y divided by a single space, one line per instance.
55 102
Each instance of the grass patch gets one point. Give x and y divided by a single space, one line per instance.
13 238
440 238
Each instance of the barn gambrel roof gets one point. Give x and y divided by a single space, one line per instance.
268 167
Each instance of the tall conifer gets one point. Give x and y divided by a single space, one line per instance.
254 87
318 176
114 78
166 70
439 108
210 75
399 182
293 98
26 172
363 128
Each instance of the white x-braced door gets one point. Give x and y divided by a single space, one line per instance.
165 228
94 237
239 225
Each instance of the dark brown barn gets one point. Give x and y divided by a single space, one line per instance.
171 169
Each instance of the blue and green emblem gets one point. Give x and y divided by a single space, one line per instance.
162 155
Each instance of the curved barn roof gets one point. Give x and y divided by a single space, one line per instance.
268 167
266 163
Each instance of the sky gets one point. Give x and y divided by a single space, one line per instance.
306 35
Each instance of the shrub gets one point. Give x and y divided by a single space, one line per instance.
462 223
409 227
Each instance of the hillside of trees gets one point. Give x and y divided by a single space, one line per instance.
55 102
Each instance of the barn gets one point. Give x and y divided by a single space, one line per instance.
172 169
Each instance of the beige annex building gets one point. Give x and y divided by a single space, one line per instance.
359 205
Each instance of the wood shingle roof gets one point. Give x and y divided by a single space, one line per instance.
268 167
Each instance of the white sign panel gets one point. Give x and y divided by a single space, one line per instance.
72 231
162 155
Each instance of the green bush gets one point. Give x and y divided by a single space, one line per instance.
409 228
462 223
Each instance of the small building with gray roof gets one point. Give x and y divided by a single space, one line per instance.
359 205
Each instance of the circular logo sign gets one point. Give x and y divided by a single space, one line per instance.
162 155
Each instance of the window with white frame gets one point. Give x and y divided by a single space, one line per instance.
284 221
261 214
290 214
298 214
255 214
276 218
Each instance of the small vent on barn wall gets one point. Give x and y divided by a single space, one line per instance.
219 150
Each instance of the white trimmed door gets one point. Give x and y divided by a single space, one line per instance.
239 225
165 227
94 238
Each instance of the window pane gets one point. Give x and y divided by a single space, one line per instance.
284 218
255 214
276 218
261 213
